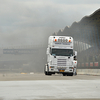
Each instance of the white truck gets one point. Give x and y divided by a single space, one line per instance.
60 56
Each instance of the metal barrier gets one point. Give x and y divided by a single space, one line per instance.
89 68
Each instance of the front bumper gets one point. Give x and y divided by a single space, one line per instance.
61 70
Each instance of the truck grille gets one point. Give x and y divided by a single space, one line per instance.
64 62
61 62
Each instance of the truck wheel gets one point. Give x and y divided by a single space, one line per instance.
45 73
71 74
67 74
64 74
49 74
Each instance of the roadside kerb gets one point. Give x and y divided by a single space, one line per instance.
89 71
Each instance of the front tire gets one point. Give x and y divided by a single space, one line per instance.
64 74
47 72
70 74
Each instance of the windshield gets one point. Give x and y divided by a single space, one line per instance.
62 52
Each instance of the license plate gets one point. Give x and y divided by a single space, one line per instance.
61 70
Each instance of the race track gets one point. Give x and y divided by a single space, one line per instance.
58 87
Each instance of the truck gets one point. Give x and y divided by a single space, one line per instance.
61 58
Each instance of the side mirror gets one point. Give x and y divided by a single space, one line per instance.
47 50
75 53
75 58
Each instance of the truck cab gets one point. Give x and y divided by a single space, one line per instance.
60 56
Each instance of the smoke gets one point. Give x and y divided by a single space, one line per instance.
24 22
29 23
86 38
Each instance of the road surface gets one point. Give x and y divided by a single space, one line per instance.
57 87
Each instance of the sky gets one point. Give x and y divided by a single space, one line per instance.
30 22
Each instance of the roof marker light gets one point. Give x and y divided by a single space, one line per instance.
55 39
69 40
59 40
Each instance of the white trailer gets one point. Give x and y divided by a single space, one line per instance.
60 56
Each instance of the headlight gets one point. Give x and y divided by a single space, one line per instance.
70 67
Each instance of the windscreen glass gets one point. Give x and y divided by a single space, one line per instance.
62 52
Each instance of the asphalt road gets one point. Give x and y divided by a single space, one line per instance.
57 87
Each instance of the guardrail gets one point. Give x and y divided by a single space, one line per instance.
89 65
88 71
89 68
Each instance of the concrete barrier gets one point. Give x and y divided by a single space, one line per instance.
88 71
99 72
95 71
79 71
